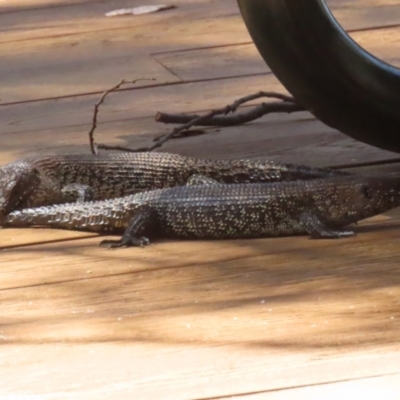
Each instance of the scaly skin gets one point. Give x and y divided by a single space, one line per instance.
321 208
82 177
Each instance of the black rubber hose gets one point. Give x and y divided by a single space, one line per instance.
325 70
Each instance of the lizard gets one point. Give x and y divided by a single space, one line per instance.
56 179
322 208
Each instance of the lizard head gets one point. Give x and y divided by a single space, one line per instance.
17 181
363 198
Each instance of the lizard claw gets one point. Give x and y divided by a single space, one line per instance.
125 242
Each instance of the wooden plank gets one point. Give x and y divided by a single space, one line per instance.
57 76
58 127
382 43
35 74
62 126
24 249
53 114
148 371
295 138
50 74
44 22
78 19
29 5
200 319
244 59
62 65
214 62
276 313
142 370
385 387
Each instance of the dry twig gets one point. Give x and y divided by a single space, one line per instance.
101 100
232 120
288 103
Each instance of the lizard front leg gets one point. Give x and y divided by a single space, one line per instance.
144 219
318 229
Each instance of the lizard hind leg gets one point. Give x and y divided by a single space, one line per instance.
144 220
319 230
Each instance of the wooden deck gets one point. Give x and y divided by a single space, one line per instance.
274 319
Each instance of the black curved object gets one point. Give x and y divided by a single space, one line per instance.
324 69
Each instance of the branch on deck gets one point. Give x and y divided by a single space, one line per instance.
101 100
288 104
237 119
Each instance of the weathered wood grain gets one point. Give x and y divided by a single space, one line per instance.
274 318
65 61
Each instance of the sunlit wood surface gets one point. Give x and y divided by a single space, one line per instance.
287 318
